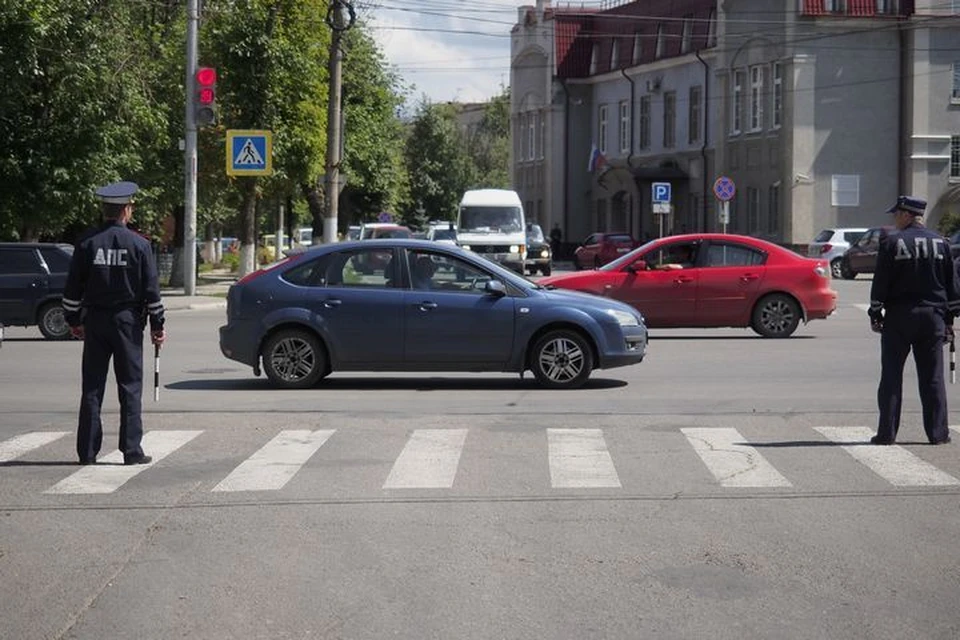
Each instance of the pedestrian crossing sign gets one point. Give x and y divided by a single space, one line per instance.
249 152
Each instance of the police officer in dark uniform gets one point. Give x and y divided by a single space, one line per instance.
111 289
913 300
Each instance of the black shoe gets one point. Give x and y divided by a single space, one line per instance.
140 459
86 461
879 440
941 441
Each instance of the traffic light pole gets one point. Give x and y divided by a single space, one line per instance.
340 17
189 258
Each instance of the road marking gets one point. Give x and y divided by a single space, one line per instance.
579 458
733 462
17 446
275 464
893 463
862 307
109 474
428 461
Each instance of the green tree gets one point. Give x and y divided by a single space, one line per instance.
489 146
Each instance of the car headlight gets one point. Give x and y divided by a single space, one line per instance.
545 253
624 318
514 249
465 247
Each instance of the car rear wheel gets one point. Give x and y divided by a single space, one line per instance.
294 359
51 322
846 271
776 316
561 359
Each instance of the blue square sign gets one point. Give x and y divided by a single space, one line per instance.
661 192
249 153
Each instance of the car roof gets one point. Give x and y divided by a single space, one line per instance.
381 225
34 245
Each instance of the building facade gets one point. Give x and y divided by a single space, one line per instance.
820 111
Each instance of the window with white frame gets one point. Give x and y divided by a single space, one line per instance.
594 58
541 142
955 157
637 48
777 116
624 127
687 34
644 133
955 94
693 111
614 54
670 119
736 122
602 128
532 135
845 191
659 50
756 98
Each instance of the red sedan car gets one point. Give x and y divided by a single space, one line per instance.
601 248
714 280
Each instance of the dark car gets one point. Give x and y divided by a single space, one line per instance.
861 257
601 248
955 246
32 278
431 307
539 254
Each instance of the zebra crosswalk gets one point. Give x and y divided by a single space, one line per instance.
575 459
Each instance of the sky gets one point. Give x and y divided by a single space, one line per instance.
449 50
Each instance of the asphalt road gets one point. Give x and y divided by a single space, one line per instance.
720 488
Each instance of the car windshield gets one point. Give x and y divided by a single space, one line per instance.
534 233
626 259
491 219
824 235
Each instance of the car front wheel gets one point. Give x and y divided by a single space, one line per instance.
846 271
51 322
561 359
294 359
776 316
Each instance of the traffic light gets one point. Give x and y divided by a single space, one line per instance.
205 99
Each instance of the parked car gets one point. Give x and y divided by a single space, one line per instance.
353 232
32 279
431 307
861 257
375 230
600 248
539 254
831 244
955 245
444 232
714 280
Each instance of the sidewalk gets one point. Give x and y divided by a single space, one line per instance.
210 293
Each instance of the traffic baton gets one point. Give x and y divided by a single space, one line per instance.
156 373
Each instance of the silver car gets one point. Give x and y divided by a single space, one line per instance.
831 244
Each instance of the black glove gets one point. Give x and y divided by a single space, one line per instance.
876 321
948 334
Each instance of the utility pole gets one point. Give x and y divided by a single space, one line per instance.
190 157
338 23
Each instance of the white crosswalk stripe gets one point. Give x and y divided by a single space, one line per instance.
733 462
275 464
579 459
893 463
428 461
20 445
110 473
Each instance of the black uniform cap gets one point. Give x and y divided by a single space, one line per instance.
911 205
118 192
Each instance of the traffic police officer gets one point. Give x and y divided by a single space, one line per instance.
913 300
112 285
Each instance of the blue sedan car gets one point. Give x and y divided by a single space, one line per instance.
412 305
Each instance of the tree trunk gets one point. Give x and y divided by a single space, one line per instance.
316 204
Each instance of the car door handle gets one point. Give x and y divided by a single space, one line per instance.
750 277
683 279
330 303
427 306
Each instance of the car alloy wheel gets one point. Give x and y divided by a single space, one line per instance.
294 359
51 322
776 316
562 359
836 268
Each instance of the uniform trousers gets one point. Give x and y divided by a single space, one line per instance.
920 329
117 334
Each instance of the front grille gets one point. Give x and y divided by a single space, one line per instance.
490 248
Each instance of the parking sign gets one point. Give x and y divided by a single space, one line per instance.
661 192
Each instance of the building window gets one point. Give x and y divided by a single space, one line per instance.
835 6
602 128
531 135
637 48
624 127
614 54
686 34
712 29
594 58
888 6
659 49
543 135
955 94
756 98
777 95
521 127
669 119
693 126
773 213
955 157
845 191
753 209
736 125
645 122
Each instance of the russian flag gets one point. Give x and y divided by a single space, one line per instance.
597 159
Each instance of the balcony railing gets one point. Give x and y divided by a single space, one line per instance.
856 8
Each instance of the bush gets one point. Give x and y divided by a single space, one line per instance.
231 260
949 224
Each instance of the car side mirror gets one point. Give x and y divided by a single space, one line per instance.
639 265
495 288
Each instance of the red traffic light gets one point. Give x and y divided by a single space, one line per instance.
205 96
206 76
